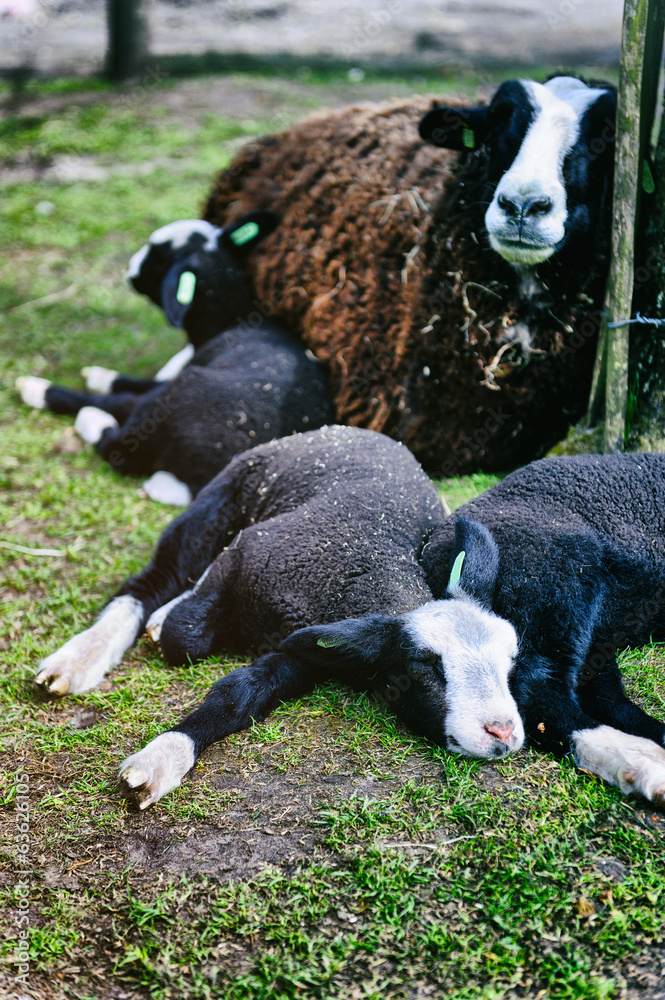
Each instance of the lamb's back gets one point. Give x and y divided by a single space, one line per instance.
334 530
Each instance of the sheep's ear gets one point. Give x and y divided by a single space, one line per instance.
455 128
248 231
355 640
474 563
178 290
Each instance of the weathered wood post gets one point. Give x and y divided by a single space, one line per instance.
641 52
127 54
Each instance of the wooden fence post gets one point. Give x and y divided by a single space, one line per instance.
127 53
609 391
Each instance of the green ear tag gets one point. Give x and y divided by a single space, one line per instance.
469 138
648 183
245 233
456 570
331 643
186 287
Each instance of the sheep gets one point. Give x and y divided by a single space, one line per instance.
453 288
242 379
540 580
299 532
571 552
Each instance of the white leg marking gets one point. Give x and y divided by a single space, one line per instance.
175 364
165 488
158 768
98 379
158 617
91 423
33 390
631 762
83 661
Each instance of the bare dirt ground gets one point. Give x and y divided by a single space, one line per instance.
69 36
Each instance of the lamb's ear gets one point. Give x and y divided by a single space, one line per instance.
178 289
355 640
244 234
474 564
455 128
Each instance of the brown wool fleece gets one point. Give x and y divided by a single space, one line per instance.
381 265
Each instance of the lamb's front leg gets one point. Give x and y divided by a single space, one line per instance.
185 551
554 721
84 660
246 695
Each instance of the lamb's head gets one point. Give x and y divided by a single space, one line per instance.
194 271
442 668
549 156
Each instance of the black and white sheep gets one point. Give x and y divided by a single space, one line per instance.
308 530
501 621
240 380
454 292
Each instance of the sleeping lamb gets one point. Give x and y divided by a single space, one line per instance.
242 379
340 530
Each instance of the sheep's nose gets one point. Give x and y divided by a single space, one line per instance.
502 733
522 208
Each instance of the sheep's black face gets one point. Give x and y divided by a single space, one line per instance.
168 247
549 154
194 271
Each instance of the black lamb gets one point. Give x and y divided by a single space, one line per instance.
241 380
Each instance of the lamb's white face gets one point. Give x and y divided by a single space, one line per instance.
477 650
527 216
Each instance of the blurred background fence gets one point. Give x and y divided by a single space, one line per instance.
69 37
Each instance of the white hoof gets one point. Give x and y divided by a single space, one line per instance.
632 763
98 379
33 390
165 488
91 423
158 768
83 661
158 617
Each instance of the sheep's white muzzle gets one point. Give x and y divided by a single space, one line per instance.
487 740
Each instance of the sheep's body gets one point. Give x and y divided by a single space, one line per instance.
332 526
241 388
582 543
419 321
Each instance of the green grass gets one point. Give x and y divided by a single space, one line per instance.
327 853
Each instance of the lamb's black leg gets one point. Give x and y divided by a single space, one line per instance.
601 694
137 386
185 550
554 720
248 694
120 405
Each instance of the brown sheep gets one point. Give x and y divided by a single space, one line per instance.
471 354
